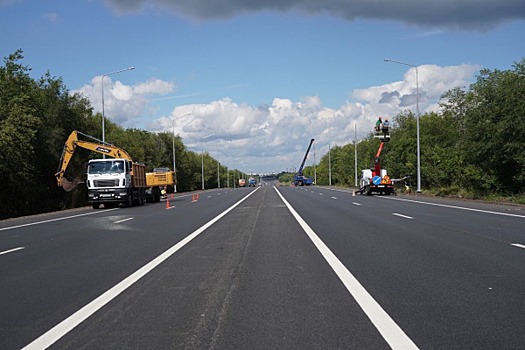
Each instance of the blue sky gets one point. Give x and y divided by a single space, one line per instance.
265 79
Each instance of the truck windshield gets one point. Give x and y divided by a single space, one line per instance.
106 167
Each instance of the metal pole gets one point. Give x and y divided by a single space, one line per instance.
202 164
417 122
174 171
102 79
355 155
315 170
218 174
329 165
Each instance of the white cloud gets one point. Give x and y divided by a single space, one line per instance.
275 137
123 104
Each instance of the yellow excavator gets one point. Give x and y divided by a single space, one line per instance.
113 181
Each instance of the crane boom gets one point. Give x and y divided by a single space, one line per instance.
96 145
300 172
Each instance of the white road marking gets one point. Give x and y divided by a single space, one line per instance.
57 219
11 250
355 203
334 197
455 207
123 220
518 245
321 194
403 216
50 337
391 332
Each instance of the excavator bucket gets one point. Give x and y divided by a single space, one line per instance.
70 185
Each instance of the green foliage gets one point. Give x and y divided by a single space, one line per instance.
474 147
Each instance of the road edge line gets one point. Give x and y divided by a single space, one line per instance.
54 334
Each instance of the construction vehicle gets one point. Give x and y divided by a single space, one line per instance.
113 181
376 180
251 182
299 178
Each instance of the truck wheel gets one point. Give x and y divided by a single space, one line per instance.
96 205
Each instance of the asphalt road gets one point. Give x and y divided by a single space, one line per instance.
266 268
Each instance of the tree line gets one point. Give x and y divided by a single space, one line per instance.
474 146
36 118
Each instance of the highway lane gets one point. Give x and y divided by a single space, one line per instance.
71 258
448 277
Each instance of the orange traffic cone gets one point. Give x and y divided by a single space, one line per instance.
168 203
193 198
353 193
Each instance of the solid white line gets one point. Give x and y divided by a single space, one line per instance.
403 216
391 332
455 207
12 250
118 222
64 327
355 203
518 245
57 219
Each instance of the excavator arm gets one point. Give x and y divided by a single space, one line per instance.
96 145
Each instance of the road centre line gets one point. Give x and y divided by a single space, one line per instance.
455 207
403 216
57 219
12 250
518 245
123 220
50 337
391 332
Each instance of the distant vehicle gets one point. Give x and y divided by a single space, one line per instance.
251 182
242 183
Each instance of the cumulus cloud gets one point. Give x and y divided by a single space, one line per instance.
123 103
275 137
464 14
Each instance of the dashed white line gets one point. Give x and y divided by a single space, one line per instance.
403 216
119 221
355 203
11 250
518 245
321 194
333 197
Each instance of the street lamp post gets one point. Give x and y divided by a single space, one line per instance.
355 154
103 76
173 146
202 158
329 165
417 121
